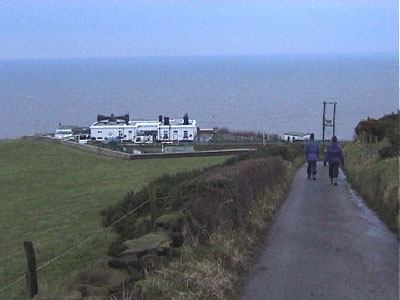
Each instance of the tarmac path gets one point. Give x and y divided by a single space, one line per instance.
325 244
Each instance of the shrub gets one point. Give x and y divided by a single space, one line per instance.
386 126
219 196
387 152
221 199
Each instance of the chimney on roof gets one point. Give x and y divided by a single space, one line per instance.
166 120
160 118
186 119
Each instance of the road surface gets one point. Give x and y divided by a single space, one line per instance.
325 244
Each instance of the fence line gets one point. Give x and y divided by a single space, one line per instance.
9 256
83 241
13 283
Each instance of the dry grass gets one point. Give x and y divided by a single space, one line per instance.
221 199
212 269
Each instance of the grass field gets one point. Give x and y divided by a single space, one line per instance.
51 195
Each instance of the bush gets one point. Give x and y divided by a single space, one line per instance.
166 186
387 152
386 126
221 199
241 178
287 152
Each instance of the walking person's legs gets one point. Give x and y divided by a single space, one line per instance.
336 174
314 169
309 169
331 172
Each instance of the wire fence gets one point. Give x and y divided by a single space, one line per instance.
87 239
10 256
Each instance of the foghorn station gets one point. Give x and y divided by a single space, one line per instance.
164 130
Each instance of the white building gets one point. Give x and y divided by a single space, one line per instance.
64 132
163 130
78 134
296 136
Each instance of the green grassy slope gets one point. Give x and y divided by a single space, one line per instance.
51 195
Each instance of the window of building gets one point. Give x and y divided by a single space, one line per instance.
99 131
165 136
185 134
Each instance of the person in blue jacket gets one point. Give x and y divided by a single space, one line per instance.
334 156
312 153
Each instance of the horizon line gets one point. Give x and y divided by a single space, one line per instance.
386 53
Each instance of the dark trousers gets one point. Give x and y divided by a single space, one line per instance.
333 170
312 167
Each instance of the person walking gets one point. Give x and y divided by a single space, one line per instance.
334 157
312 153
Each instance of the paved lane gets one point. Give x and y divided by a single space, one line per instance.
325 244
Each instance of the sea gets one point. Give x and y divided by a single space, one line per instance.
272 94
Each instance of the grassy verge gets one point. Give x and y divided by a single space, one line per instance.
51 195
375 178
226 209
213 270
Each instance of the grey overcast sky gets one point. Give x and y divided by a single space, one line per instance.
112 28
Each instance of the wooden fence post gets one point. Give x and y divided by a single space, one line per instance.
31 276
153 204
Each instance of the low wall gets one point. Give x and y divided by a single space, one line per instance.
128 156
192 154
98 150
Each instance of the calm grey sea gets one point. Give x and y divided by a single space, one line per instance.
267 93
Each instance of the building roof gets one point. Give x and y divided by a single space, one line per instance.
175 122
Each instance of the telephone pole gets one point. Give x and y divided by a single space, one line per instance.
327 122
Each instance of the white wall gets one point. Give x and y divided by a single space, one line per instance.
103 132
177 132
129 132
292 138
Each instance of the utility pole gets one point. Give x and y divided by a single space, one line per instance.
328 123
323 128
334 117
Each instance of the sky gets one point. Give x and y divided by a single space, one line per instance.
116 28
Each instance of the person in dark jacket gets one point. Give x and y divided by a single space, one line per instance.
334 157
312 153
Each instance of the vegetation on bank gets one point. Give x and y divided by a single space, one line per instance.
52 194
223 211
372 166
